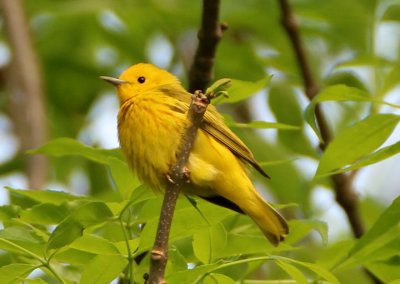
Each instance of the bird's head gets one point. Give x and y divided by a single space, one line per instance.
140 78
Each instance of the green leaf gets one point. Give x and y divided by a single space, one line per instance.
45 214
214 278
248 244
392 13
103 269
219 87
264 125
295 273
241 90
229 121
73 256
285 105
47 196
335 253
35 281
337 93
356 141
375 157
207 242
346 77
191 275
122 247
301 228
8 212
187 220
94 244
72 227
20 234
122 176
392 79
11 272
141 193
276 162
383 231
176 261
387 270
67 146
64 234
322 272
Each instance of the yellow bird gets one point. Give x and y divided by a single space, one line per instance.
151 122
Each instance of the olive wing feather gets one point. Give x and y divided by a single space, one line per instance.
213 124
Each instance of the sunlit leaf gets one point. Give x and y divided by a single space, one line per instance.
356 141
213 278
375 157
94 244
295 273
320 271
47 196
241 90
103 269
207 242
301 228
392 13
72 227
122 176
11 272
383 231
337 93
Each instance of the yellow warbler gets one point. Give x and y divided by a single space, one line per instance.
151 122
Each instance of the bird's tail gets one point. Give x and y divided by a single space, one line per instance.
271 223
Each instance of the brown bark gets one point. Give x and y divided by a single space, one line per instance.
177 176
342 183
27 106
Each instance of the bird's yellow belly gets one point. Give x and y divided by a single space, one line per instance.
150 134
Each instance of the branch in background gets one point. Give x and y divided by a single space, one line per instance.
345 195
310 84
211 31
177 176
27 102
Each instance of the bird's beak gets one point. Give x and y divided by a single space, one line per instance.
116 82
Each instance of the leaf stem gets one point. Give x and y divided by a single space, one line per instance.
128 247
55 274
24 250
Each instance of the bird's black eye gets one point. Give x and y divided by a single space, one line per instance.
141 80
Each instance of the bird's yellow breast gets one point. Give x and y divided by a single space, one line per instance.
150 134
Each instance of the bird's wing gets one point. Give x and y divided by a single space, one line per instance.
214 125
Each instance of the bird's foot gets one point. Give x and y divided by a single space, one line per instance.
186 174
168 177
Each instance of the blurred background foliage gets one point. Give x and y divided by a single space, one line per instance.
355 43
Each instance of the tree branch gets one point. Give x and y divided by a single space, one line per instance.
200 74
27 103
344 192
211 31
177 176
345 195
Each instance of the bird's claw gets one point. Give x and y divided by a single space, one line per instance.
186 174
168 177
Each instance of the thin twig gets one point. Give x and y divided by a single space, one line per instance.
345 195
177 176
27 102
211 31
